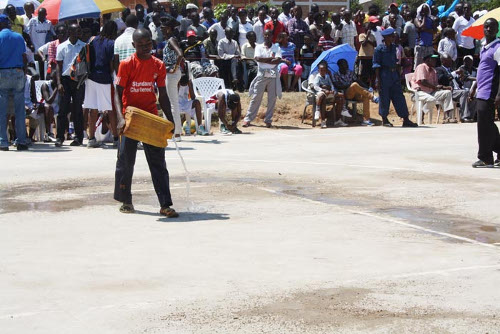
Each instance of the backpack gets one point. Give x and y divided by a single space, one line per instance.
81 67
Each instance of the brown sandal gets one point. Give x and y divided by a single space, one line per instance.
169 212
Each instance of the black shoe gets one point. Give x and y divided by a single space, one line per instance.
481 164
236 131
409 124
387 124
5 148
22 147
75 142
467 120
58 142
497 163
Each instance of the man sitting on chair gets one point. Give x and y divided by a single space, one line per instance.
225 99
325 89
346 80
430 92
447 77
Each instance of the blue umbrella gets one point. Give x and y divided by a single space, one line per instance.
332 56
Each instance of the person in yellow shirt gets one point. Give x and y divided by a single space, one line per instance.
16 22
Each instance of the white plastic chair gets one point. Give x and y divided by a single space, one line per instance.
419 104
310 101
204 88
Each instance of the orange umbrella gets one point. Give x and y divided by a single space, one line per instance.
476 29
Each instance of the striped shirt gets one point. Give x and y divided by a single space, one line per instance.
326 43
288 53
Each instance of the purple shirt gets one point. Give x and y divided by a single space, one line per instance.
297 29
487 71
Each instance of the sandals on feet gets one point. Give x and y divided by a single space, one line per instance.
127 208
169 212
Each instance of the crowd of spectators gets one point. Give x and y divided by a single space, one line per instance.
192 43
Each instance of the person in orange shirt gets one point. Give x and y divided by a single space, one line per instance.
135 86
274 25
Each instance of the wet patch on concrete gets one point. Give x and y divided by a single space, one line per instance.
70 195
346 308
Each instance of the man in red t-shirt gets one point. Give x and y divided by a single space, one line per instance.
274 25
135 86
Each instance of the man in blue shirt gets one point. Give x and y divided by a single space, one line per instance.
12 79
389 80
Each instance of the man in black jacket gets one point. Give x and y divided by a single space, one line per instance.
447 77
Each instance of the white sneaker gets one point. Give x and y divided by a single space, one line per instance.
317 115
345 113
340 123
323 125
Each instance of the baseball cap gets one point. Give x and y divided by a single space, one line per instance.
468 56
191 33
432 55
191 6
4 18
373 19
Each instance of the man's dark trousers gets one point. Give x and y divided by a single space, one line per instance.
71 93
155 157
487 131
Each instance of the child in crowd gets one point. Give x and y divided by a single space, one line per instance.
188 104
326 92
368 42
326 41
307 56
407 62
447 45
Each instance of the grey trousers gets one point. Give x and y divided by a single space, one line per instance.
461 96
259 85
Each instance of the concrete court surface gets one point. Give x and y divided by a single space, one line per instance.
352 230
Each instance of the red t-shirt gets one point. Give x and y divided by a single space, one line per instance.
138 78
278 30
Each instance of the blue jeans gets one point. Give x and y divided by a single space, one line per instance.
12 83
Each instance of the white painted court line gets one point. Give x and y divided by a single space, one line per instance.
387 219
318 163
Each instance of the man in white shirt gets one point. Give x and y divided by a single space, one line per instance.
267 56
229 54
29 9
258 27
69 89
244 27
220 27
155 29
349 31
123 44
459 11
465 45
285 16
38 28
